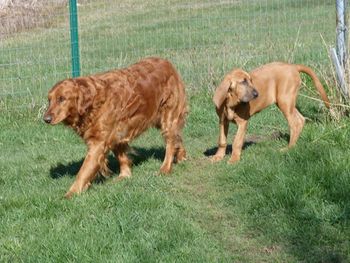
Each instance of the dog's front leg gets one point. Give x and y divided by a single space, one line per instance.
222 142
88 170
238 141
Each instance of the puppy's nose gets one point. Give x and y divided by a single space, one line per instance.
48 119
255 93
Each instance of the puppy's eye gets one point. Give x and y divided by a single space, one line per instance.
60 99
244 82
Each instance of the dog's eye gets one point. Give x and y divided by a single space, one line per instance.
60 99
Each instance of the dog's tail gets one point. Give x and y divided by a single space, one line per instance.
317 83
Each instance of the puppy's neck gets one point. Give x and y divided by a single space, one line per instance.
230 107
231 100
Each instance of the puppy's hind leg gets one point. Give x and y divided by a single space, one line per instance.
295 120
299 122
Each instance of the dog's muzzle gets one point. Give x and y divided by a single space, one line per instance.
47 119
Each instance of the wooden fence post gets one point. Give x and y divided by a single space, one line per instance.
341 41
340 54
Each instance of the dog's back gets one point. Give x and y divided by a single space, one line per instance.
155 89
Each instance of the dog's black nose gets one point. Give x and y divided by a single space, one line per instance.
47 119
255 93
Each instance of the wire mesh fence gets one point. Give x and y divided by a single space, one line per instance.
203 38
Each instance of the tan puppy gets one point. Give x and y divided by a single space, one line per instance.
274 83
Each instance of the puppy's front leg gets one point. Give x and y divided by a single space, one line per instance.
88 170
222 142
238 141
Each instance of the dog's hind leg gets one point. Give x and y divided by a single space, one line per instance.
123 159
169 152
180 152
170 128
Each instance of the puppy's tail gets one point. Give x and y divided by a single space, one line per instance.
317 83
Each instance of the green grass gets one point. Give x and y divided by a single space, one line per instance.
272 206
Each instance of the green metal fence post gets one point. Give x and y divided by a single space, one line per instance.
74 38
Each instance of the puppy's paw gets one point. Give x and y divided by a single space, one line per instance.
284 149
233 160
216 158
164 170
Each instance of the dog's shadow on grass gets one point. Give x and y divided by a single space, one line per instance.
249 141
137 155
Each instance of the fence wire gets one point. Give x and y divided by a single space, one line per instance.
203 38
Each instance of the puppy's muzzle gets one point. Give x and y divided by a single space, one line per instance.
255 93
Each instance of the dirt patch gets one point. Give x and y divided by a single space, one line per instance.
20 15
275 135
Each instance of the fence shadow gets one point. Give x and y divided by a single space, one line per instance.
137 155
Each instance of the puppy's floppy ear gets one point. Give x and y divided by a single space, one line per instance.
221 92
86 94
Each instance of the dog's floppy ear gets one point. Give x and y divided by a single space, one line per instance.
86 94
221 92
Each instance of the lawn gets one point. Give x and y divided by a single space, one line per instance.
272 206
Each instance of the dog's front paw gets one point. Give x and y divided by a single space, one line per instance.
69 195
122 176
76 189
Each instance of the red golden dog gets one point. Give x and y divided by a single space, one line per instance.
110 109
